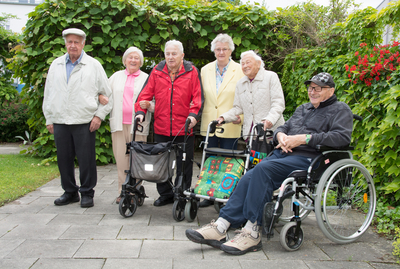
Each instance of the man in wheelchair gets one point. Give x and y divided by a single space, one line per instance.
323 121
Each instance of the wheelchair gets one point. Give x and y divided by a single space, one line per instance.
339 190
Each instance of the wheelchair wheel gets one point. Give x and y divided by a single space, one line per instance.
218 206
128 205
178 209
287 212
141 195
288 238
345 202
191 210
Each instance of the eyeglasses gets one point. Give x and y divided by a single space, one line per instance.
316 89
223 50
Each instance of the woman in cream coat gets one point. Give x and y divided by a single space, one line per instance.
126 85
258 96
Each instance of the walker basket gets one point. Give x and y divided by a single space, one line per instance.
152 162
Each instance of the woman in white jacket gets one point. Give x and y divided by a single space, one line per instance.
126 85
258 96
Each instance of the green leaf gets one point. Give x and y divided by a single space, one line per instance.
237 40
164 34
97 40
146 26
155 39
175 30
95 11
106 28
201 43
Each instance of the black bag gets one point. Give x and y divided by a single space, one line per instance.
260 148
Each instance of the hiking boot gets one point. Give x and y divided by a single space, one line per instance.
242 243
208 234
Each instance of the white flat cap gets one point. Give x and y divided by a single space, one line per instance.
73 31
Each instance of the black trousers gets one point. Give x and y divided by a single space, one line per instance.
76 140
165 189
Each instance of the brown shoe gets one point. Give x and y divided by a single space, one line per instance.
208 234
118 200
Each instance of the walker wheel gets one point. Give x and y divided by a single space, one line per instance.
191 210
141 196
178 209
288 238
218 206
128 205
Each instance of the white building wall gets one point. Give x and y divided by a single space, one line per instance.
20 8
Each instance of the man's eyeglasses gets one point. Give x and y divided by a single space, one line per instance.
223 50
316 89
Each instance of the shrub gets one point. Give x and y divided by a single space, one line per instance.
13 117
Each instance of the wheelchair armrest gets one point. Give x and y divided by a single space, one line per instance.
326 148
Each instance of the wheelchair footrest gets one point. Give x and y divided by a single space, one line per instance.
269 219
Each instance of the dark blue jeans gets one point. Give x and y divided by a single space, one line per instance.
256 187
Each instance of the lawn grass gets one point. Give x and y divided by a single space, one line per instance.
21 174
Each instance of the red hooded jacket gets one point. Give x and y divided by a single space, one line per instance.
172 98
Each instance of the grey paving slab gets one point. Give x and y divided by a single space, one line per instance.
109 249
27 218
337 265
113 219
356 251
43 263
29 231
140 263
6 228
91 232
45 248
308 251
165 249
17 264
383 265
6 246
4 215
146 232
281 264
201 264
76 219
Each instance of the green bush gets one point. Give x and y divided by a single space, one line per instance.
396 245
13 116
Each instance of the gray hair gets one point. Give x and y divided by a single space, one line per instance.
223 38
129 51
174 43
254 55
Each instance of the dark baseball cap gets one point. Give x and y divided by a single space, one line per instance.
322 79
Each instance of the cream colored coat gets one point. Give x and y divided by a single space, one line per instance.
117 82
261 99
215 105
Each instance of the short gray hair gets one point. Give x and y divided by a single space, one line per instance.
129 51
254 55
174 43
223 38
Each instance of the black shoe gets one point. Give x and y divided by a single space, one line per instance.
87 201
67 198
206 203
163 201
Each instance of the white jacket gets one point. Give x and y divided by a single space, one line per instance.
117 82
78 101
261 99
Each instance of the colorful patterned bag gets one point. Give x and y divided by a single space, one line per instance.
261 148
219 176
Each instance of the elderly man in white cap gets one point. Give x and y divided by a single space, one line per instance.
73 114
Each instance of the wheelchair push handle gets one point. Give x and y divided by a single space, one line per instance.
136 127
357 117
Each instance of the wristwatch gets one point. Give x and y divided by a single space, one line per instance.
308 138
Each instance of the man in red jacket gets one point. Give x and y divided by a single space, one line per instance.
176 87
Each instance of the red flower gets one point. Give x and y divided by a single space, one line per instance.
377 78
347 67
355 54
